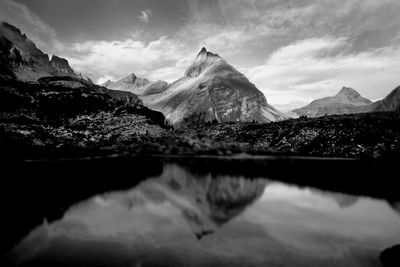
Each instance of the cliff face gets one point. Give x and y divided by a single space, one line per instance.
347 101
21 59
61 66
211 89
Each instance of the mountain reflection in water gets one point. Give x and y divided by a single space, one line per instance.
184 219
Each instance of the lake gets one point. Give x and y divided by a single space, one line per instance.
188 215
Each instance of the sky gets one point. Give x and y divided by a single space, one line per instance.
293 50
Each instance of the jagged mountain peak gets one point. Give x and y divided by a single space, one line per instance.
55 58
348 91
20 40
5 26
205 60
12 28
203 50
132 76
20 56
206 54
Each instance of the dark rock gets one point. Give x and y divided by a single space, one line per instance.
65 115
391 257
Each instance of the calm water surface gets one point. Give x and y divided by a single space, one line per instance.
186 219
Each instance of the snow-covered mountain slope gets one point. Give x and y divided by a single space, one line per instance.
211 89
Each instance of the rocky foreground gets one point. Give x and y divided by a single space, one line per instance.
370 135
69 117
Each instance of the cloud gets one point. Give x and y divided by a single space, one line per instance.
318 67
236 25
162 58
145 15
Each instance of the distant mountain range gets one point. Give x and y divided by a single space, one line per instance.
138 86
210 89
348 101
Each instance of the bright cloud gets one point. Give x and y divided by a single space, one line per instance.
317 67
159 59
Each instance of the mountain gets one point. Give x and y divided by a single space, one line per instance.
390 103
21 59
136 85
210 89
346 101
59 112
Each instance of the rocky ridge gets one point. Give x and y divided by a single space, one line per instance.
21 59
